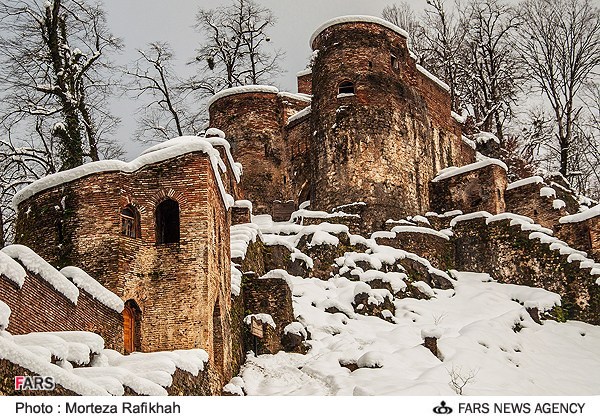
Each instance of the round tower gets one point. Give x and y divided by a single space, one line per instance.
373 139
250 116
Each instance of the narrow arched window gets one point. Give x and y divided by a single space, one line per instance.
346 87
130 222
167 222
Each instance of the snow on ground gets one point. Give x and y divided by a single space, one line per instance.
484 331
107 371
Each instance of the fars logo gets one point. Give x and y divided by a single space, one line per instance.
34 383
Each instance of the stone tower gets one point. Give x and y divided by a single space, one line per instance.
381 124
251 118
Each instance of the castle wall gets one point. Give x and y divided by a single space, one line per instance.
177 286
304 80
39 307
297 134
480 189
509 255
383 144
526 200
252 123
270 296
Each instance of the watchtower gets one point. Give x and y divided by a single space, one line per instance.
381 125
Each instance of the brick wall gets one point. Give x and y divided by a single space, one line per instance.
305 83
38 307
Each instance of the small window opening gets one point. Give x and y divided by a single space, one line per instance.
347 87
167 222
395 63
130 222
370 65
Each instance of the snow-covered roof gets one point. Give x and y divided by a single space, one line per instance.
455 171
59 280
37 265
253 88
173 148
354 19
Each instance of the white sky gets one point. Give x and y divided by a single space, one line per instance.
139 22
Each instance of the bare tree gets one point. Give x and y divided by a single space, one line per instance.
55 67
490 75
403 16
559 42
459 379
236 52
167 114
444 36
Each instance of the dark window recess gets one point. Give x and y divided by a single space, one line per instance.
347 87
395 63
167 222
370 65
130 222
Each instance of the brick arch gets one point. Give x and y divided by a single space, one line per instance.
164 194
126 200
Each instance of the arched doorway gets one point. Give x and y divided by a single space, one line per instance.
131 326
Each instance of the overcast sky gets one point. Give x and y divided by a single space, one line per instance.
139 22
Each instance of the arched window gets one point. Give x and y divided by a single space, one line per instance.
131 326
130 222
167 222
346 87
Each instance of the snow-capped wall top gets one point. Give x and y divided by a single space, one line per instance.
4 315
300 114
12 270
524 182
296 96
581 216
306 71
357 18
84 281
37 265
433 78
164 151
455 171
253 88
68 281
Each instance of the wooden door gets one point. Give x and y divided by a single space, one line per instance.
129 329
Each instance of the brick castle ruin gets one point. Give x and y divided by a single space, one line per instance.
369 140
